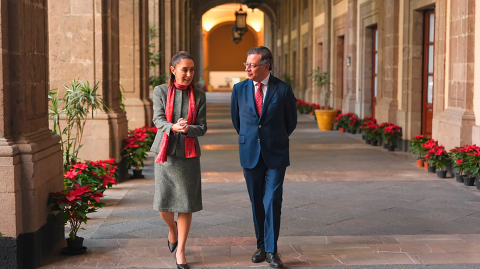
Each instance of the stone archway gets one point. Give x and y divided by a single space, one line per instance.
200 7
218 47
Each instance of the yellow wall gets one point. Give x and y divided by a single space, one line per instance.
223 54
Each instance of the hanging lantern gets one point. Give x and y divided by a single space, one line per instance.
241 21
253 4
236 36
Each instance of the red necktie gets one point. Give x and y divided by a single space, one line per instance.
259 98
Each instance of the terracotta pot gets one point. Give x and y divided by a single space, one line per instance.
341 130
425 165
325 119
420 163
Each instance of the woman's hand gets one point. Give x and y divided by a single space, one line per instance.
180 127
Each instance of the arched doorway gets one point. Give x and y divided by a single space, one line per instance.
223 58
265 34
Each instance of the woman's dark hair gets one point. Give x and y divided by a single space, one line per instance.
174 61
266 56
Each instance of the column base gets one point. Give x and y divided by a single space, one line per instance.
453 127
386 110
28 249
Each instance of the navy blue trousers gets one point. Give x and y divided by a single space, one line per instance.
265 188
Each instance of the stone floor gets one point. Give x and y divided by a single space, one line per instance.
346 205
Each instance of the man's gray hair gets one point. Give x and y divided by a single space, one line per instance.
266 56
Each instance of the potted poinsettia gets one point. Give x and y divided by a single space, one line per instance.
417 150
431 143
353 123
438 158
372 133
471 163
74 204
363 124
457 160
99 175
136 146
391 133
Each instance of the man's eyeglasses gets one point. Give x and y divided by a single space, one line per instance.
247 65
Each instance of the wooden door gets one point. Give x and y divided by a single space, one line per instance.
428 89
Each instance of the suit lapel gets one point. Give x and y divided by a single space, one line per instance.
272 88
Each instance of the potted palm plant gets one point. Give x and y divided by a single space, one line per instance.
326 115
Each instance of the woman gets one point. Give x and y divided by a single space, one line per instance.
179 113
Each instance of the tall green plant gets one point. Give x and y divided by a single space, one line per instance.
321 79
154 59
74 107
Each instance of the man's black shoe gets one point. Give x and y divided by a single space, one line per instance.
274 260
259 255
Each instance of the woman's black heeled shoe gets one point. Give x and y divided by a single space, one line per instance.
173 246
182 266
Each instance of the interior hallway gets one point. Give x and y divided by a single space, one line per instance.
345 203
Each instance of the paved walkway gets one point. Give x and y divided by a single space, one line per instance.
345 203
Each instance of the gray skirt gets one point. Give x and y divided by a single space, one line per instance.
178 185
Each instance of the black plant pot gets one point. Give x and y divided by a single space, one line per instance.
74 247
367 141
477 184
431 169
468 181
390 147
442 174
374 142
363 136
459 178
137 174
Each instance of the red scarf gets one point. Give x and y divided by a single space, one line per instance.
190 149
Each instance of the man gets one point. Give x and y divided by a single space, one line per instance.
264 113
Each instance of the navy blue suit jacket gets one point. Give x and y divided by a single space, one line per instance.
269 133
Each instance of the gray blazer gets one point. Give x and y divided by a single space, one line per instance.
176 144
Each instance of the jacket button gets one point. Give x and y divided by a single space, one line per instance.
259 126
258 140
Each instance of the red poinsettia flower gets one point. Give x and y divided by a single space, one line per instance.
81 166
71 174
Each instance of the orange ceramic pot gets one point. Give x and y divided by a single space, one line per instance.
420 163
425 165
325 119
341 129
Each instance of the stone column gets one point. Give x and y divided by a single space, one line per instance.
84 44
351 53
387 105
134 63
454 125
154 21
327 47
30 155
167 33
